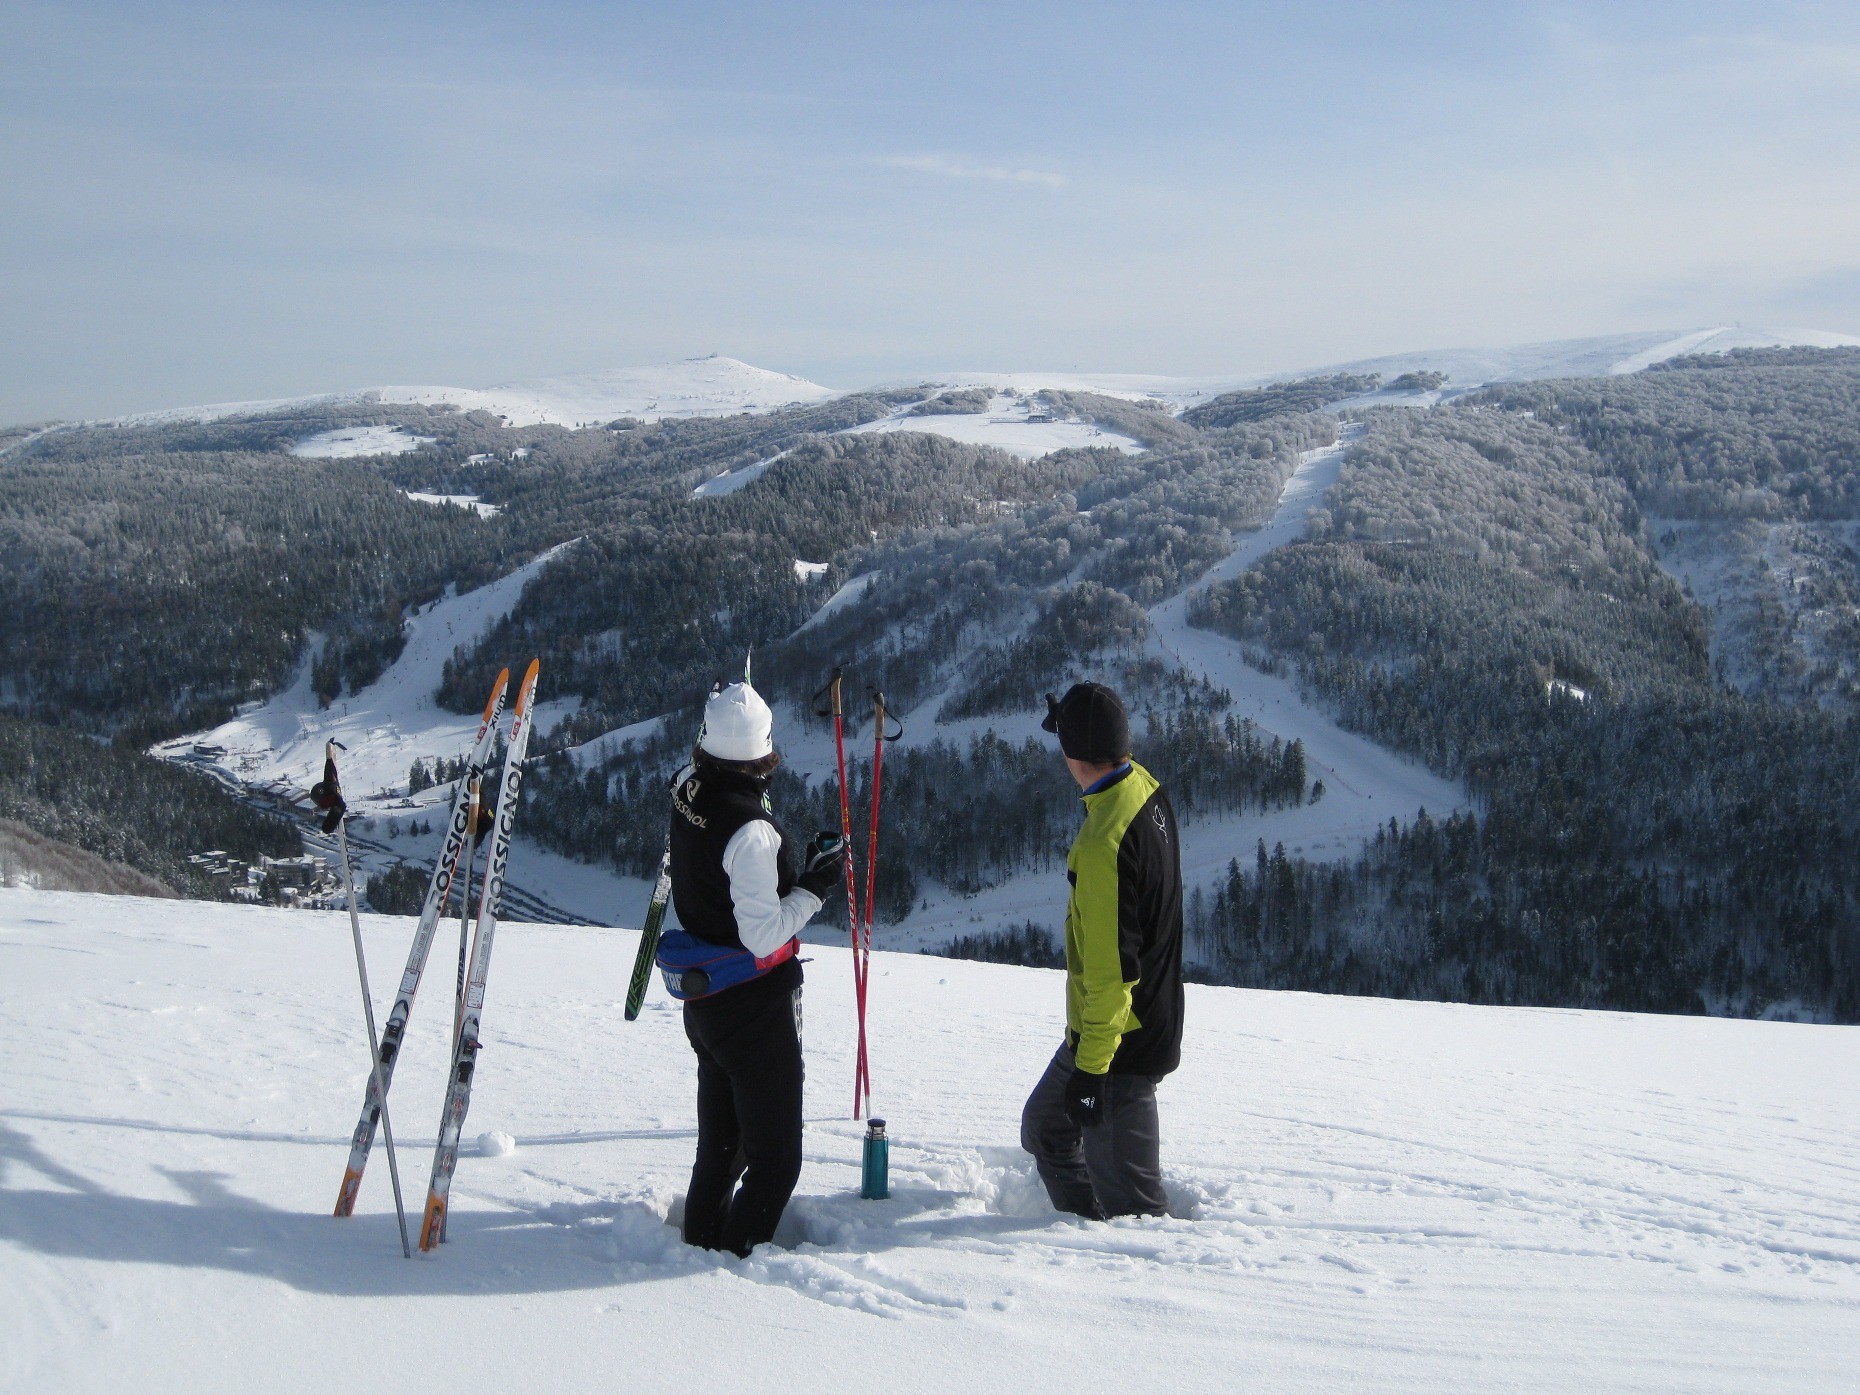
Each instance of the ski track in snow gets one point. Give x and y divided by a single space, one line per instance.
1366 1194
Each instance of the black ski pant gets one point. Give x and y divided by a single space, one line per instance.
1113 1168
748 1045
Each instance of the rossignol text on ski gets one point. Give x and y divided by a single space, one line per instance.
465 1048
438 892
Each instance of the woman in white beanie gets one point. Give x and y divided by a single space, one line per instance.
738 896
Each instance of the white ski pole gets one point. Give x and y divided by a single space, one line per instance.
368 1010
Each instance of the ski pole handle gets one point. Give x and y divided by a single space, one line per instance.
831 693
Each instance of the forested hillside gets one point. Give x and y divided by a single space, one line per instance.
1478 594
1059 556
152 582
156 576
1497 587
127 808
1771 433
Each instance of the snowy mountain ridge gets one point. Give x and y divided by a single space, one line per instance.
1599 356
720 386
693 387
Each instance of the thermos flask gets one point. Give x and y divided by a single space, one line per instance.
875 1164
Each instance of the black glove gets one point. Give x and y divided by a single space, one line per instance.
824 866
326 795
1085 1098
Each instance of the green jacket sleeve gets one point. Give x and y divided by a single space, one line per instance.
1104 1014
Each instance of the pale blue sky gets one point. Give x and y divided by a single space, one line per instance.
202 203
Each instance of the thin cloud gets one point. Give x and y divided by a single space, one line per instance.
960 169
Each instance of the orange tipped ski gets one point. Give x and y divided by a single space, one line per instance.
438 892
465 1043
433 1228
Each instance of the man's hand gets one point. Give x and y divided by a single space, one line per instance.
825 865
1085 1098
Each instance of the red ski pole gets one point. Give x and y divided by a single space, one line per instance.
837 711
864 953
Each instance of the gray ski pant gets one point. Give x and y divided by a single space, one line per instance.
1113 1168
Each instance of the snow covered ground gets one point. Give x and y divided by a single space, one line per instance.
1368 1195
732 480
1765 586
1580 358
1176 393
463 501
1465 367
1005 424
1722 339
351 441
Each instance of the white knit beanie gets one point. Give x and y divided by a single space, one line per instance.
737 724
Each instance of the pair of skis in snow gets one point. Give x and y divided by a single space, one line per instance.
459 849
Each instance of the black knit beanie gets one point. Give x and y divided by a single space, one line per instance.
1090 722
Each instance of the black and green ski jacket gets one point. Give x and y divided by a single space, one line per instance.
1124 931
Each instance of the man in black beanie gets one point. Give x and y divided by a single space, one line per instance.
1091 1122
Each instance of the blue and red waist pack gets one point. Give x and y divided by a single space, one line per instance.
694 968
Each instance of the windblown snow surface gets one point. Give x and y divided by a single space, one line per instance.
1367 1195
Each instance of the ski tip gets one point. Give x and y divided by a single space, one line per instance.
527 691
496 700
435 1223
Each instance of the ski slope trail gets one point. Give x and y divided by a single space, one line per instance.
1365 784
391 723
1367 1195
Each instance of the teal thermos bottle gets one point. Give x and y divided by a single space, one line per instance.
875 1168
